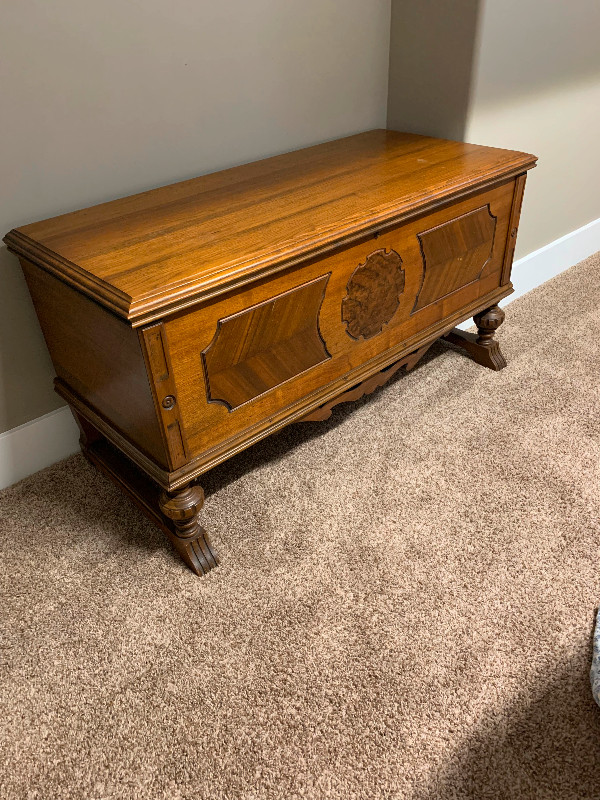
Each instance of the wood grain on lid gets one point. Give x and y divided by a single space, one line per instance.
155 252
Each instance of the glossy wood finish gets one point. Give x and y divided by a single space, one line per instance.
189 334
367 386
260 348
222 449
158 364
373 294
154 252
513 226
189 322
183 508
455 254
99 358
482 348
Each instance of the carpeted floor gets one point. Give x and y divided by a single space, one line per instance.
404 607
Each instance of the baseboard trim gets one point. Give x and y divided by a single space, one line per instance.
549 261
48 439
37 444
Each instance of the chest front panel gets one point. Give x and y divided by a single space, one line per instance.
240 359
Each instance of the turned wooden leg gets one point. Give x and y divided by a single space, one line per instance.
183 507
482 348
176 513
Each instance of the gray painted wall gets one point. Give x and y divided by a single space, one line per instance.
519 74
536 87
432 54
100 100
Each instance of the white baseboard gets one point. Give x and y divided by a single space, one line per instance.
543 264
37 444
43 441
552 259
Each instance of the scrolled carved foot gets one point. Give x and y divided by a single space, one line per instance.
482 348
189 538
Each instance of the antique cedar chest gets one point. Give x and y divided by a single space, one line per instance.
187 322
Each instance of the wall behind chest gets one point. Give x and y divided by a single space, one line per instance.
519 74
106 99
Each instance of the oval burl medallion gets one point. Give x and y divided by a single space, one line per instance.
373 294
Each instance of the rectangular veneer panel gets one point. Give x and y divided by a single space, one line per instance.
264 346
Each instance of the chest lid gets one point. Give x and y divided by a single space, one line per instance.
159 251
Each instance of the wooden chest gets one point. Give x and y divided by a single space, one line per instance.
188 322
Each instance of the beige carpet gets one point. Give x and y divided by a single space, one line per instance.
404 607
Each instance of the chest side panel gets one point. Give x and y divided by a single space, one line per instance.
99 358
239 360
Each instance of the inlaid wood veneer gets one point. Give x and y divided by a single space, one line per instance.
260 348
455 253
373 294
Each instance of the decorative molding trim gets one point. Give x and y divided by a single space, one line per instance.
54 436
367 386
179 296
158 362
37 444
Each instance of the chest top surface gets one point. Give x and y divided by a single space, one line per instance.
158 251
